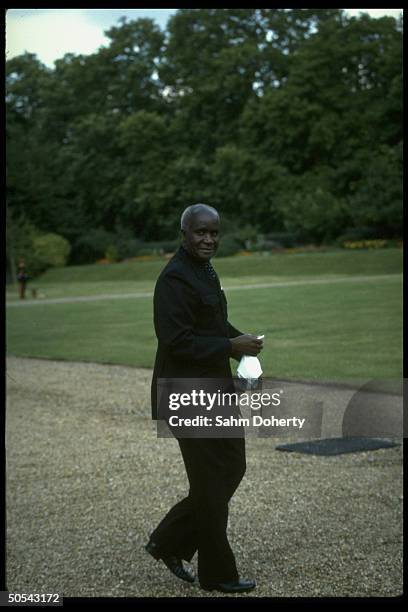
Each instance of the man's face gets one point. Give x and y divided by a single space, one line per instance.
202 236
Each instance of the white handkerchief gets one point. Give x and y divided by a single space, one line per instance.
249 367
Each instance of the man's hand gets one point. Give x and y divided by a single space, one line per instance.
247 344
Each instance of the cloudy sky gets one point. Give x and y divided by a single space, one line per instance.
50 33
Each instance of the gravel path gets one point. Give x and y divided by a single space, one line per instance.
87 480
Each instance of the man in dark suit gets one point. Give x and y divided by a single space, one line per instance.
196 340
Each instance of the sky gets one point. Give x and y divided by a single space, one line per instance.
50 33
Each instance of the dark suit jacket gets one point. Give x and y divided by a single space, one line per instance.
191 324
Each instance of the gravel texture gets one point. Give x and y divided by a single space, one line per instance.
88 480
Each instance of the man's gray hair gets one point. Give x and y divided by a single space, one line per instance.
193 210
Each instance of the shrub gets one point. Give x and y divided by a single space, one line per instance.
111 253
91 246
50 251
247 237
282 239
228 245
366 244
145 252
159 247
354 234
126 243
20 234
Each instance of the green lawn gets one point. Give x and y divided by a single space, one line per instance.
141 276
333 330
381 261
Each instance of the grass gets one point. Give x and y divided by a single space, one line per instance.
326 331
382 261
334 330
141 276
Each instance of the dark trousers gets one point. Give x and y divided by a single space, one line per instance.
199 522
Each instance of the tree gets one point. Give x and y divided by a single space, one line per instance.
311 210
377 198
272 115
333 111
209 68
146 188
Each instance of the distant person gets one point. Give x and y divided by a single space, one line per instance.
195 340
22 278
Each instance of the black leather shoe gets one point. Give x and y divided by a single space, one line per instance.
173 563
241 586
